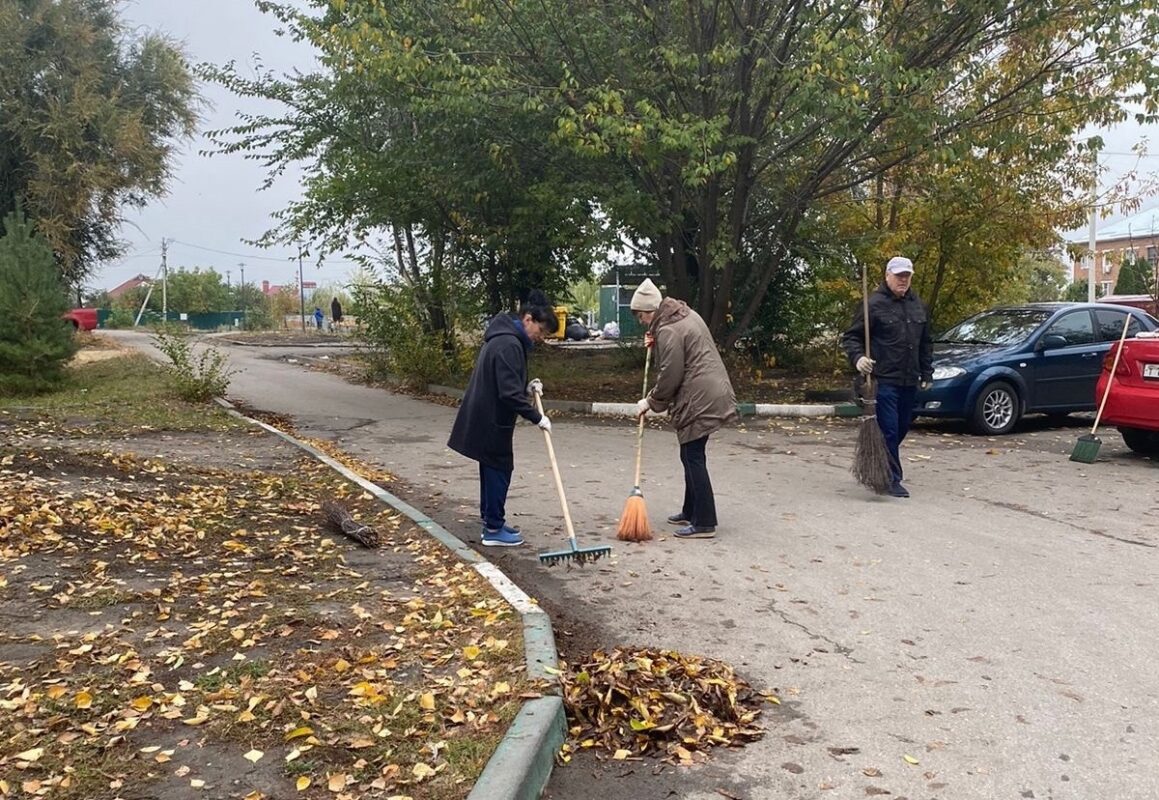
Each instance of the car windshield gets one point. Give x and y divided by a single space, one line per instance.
1003 326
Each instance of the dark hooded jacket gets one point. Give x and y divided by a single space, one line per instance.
497 392
692 384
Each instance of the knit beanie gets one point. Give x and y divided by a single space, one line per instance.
646 297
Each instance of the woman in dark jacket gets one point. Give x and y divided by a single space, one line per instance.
485 425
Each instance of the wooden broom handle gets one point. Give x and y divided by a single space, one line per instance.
1114 366
640 431
555 472
865 316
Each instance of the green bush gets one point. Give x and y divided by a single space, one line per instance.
400 347
195 378
120 318
35 343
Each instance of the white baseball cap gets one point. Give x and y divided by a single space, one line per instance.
898 265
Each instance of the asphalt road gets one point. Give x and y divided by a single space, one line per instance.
998 628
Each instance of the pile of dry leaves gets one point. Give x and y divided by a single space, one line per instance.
658 702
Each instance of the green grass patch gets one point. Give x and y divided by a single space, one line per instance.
127 391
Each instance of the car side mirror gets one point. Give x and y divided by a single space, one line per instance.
1050 342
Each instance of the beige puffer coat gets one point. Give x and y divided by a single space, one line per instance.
692 384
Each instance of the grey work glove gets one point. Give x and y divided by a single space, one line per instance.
642 407
865 365
544 423
535 387
925 384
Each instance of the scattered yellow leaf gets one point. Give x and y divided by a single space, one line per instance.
254 755
30 755
422 771
84 700
910 759
197 783
341 665
303 783
427 701
142 703
297 733
471 652
620 755
336 782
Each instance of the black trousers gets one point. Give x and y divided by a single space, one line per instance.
699 502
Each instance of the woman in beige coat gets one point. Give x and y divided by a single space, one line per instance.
692 385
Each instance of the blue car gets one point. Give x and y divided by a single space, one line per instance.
998 365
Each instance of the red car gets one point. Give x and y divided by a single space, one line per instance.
1133 405
82 319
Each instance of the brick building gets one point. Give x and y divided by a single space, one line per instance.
1137 234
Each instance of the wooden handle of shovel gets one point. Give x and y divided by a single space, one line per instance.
558 479
1114 366
640 430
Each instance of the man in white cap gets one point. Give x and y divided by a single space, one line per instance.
902 357
692 385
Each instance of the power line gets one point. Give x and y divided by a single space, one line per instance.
252 256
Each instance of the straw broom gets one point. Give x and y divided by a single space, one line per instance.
634 525
870 456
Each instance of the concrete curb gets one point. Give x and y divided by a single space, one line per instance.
629 409
521 765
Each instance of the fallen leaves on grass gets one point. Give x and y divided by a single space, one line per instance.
632 703
170 608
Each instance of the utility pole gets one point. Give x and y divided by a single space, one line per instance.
1093 238
301 289
164 279
242 291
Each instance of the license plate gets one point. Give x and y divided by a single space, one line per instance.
1151 371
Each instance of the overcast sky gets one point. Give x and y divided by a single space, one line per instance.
214 204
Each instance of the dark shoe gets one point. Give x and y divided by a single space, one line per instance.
501 538
511 528
897 490
696 532
679 519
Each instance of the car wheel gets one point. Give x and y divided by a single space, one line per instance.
1141 441
996 409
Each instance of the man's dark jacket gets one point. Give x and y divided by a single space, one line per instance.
899 338
485 424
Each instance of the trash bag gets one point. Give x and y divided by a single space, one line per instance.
576 331
612 330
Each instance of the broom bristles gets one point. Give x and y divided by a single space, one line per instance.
634 525
871 458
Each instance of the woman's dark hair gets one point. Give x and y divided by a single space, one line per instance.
538 306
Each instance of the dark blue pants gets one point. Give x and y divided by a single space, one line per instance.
493 486
895 412
699 502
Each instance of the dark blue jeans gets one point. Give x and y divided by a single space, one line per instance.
895 412
493 486
699 502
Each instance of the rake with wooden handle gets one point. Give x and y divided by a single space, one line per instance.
574 553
